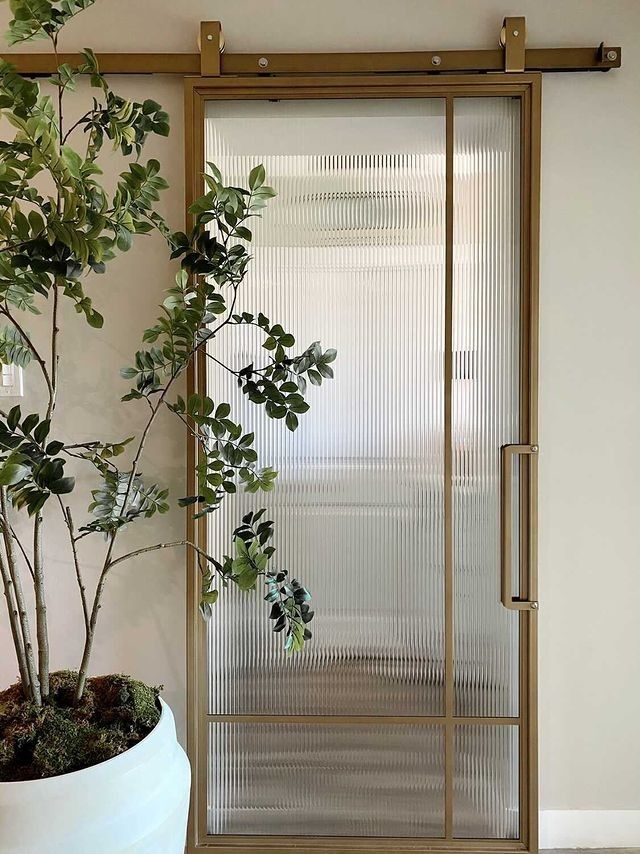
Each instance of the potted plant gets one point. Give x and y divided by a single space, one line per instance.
91 764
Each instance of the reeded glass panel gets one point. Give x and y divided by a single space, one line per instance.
485 785
351 252
318 780
485 395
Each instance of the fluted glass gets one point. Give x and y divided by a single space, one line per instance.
485 395
321 780
485 783
351 252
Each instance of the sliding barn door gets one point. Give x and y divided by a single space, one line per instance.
397 238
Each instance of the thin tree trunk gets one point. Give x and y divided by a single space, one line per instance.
14 622
34 685
66 513
41 609
93 619
54 351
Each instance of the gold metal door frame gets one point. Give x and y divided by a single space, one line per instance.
527 88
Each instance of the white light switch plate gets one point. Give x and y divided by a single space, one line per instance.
11 381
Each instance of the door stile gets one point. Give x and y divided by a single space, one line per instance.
197 729
529 230
530 142
525 470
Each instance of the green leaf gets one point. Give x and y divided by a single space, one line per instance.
42 431
13 418
256 177
210 597
95 319
62 485
215 172
291 421
12 473
73 161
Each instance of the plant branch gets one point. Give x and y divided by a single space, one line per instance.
24 553
14 622
76 125
222 364
109 562
159 546
66 514
54 311
34 685
91 629
54 41
34 352
95 608
41 609
54 352
200 439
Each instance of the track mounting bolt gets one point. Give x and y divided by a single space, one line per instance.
263 62
612 55
436 60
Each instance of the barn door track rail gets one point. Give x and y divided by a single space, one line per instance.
512 55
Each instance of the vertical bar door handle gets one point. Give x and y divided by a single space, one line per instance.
508 452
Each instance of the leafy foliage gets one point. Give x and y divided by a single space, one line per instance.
41 18
227 453
214 263
59 225
30 467
289 600
122 498
47 241
281 384
14 350
99 454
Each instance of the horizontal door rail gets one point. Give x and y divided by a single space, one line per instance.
363 720
349 845
233 64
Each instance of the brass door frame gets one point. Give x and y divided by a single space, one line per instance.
527 88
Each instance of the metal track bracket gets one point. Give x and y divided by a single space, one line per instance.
211 46
513 38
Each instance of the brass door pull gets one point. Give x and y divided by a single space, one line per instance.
508 452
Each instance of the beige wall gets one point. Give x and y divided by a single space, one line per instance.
590 359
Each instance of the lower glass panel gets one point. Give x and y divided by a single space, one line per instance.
326 780
485 786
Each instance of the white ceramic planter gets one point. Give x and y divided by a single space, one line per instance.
136 803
